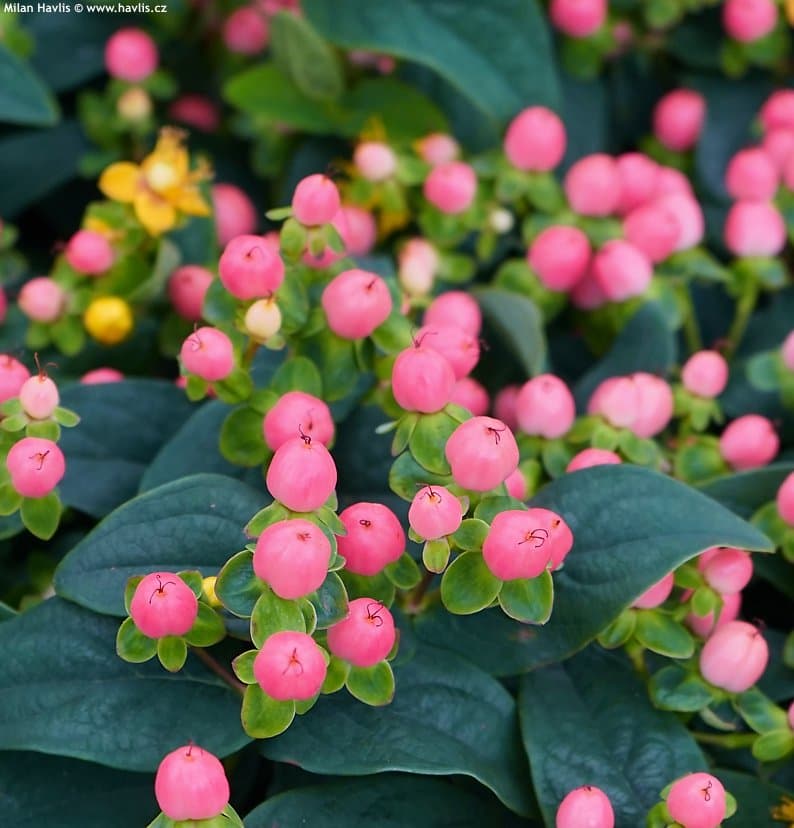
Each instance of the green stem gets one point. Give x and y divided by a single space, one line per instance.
219 670
692 336
415 599
250 352
730 741
744 310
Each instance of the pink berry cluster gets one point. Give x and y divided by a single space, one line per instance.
34 464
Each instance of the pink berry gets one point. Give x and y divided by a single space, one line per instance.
754 228
778 144
191 784
586 807
437 148
778 110
101 375
356 302
545 406
422 379
455 308
131 55
505 407
653 229
592 185
42 299
245 31
187 288
292 557
787 351
655 400
196 111
163 604
39 397
208 353
469 394
639 180
616 400
705 374
657 594
559 255
535 140
749 20
418 263
587 293
704 625
482 453
235 214
751 176
697 801
434 513
691 222
302 474
366 636
357 228
749 442
297 412
785 500
734 657
678 119
460 349
36 466
522 543
290 665
578 18
375 538
451 187
90 253
316 200
671 180
250 268
375 161
12 377
726 570
516 485
622 270
589 457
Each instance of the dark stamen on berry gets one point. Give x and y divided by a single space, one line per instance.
293 659
497 432
39 455
304 436
365 522
161 588
706 790
539 535
373 615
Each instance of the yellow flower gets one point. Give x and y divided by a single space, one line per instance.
785 811
161 187
208 588
108 319
789 9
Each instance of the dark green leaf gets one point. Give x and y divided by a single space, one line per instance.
24 99
391 800
406 735
658 632
745 492
498 55
65 692
33 163
122 427
625 540
305 57
264 717
756 798
518 322
589 722
193 523
237 585
38 790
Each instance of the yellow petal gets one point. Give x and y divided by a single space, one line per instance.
189 200
120 181
154 213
